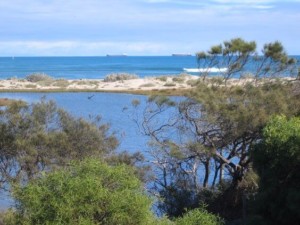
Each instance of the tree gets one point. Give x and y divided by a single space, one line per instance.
86 192
277 162
40 137
201 149
235 57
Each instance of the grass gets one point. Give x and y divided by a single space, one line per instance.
30 86
169 84
119 77
193 83
162 78
36 77
61 83
179 79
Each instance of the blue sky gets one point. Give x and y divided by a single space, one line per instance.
142 27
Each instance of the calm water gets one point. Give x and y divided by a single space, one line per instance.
94 67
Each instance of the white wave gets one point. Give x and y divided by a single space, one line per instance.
208 70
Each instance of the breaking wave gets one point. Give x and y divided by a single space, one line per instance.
208 70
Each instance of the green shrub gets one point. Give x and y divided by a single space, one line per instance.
87 192
61 83
199 217
217 80
193 83
162 78
179 79
169 84
277 161
148 85
119 77
30 86
36 77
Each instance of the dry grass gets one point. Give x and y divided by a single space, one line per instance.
30 86
119 77
37 77
62 83
170 84
162 78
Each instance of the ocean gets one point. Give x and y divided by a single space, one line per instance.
99 67
94 67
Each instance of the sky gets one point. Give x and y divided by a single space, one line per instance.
142 27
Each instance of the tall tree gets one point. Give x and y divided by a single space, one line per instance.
277 162
237 57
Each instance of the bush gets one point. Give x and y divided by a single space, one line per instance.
199 217
277 162
88 192
119 77
148 85
162 78
36 77
169 84
61 83
180 78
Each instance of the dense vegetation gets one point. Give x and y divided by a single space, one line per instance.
277 162
226 151
201 151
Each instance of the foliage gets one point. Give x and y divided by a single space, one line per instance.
119 77
162 78
60 83
199 216
40 136
277 161
237 56
169 84
36 77
204 141
86 192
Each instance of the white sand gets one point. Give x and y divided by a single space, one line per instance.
139 84
149 83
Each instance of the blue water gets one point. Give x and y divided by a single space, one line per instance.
97 67
94 67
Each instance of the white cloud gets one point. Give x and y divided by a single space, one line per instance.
59 48
96 27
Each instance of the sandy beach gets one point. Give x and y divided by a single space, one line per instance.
170 84
138 84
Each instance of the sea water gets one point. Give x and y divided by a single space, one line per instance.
99 67
94 67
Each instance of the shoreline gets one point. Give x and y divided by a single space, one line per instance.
163 85
167 84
